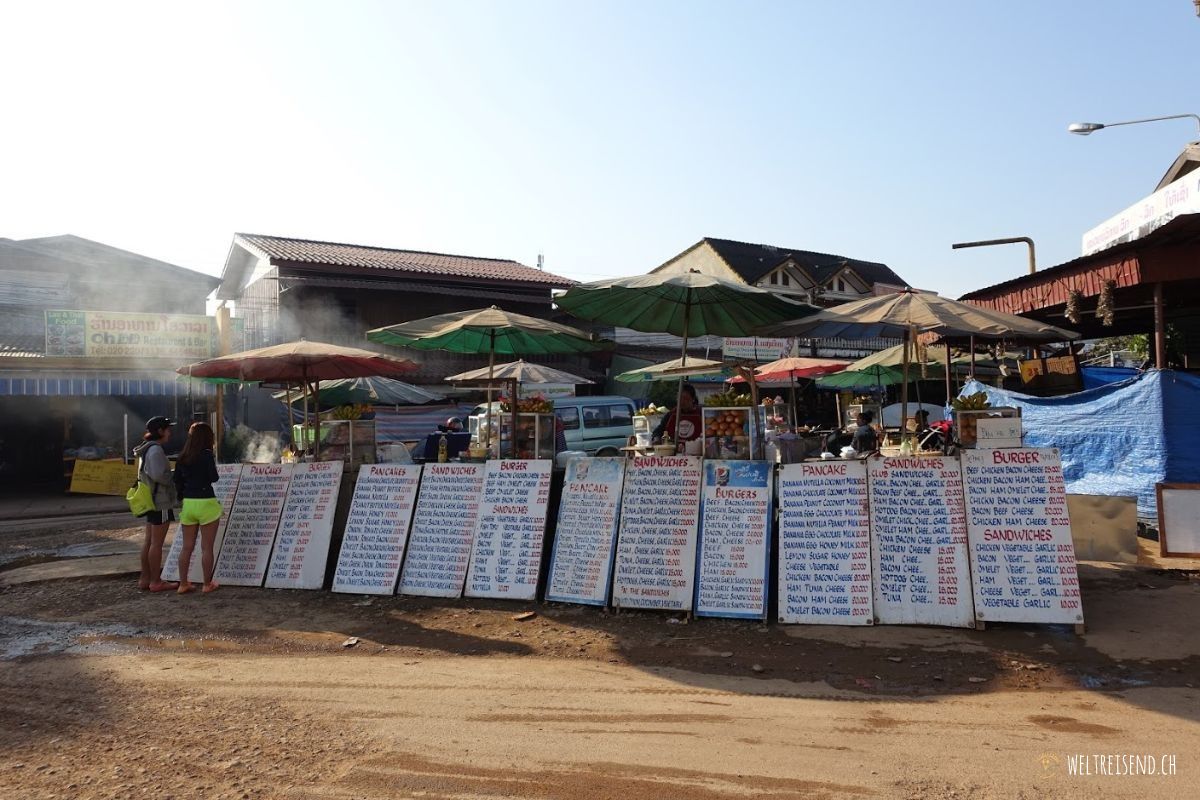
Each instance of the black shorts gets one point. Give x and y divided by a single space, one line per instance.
159 517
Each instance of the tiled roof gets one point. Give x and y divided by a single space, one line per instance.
279 248
753 261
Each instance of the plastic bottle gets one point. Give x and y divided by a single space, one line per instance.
443 450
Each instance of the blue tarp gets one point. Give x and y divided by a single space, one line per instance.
1118 439
1095 377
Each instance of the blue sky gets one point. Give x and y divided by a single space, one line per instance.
609 136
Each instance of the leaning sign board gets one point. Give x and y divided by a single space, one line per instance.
439 547
1022 557
229 475
824 544
377 529
305 528
656 546
919 542
253 521
103 477
506 558
585 537
735 525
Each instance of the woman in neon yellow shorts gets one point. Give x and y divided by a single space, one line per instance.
195 473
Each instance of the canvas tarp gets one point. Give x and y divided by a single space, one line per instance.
1118 439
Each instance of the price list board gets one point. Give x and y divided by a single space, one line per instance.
225 489
302 544
253 521
1022 557
735 525
919 542
439 546
656 545
377 529
506 557
825 544
586 535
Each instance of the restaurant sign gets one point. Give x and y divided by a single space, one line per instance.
116 334
756 348
1181 196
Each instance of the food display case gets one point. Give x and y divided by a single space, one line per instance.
351 441
774 417
644 426
730 431
966 421
535 434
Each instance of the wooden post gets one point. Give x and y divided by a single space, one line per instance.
1160 329
224 340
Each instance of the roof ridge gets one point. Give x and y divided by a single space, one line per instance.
833 256
378 247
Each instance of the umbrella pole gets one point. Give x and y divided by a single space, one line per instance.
514 389
304 422
972 357
947 373
491 369
904 389
792 378
687 313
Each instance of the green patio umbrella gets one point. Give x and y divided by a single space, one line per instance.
371 391
488 331
683 303
676 369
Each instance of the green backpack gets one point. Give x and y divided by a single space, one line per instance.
140 496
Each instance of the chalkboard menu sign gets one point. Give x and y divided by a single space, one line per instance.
1022 557
735 524
377 529
656 546
586 535
305 528
919 542
252 524
439 547
506 558
824 544
225 489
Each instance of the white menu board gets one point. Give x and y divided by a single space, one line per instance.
735 525
302 544
825 544
252 524
585 537
919 542
1022 557
225 489
377 528
656 546
439 546
506 558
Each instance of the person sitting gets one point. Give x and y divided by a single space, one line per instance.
452 425
866 439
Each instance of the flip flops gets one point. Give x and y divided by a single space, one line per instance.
162 586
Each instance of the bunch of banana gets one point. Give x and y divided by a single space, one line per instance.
972 402
727 399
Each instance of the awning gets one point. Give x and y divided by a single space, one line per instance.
91 383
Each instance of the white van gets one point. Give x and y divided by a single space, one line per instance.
597 425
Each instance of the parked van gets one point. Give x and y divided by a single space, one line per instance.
597 425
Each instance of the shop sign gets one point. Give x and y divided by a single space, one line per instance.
118 334
756 348
103 477
1181 196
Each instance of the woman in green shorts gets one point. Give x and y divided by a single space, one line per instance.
195 473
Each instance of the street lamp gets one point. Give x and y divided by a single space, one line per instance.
1085 128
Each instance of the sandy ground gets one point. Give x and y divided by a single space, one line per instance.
108 692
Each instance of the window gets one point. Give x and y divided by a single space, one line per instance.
569 418
595 416
620 415
774 278
785 279
841 285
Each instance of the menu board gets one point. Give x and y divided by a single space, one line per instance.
225 489
506 558
252 524
1022 557
377 529
439 547
735 524
824 544
656 545
919 542
302 545
585 538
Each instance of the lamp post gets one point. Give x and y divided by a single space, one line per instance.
1086 128
989 243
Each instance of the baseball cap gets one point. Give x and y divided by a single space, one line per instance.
155 425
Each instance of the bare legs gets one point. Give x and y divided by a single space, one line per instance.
188 532
208 537
152 547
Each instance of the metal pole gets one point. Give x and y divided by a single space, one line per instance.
687 313
125 457
972 357
1010 240
947 373
903 389
491 369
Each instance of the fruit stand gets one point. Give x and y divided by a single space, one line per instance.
535 428
731 426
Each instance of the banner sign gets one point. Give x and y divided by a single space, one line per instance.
103 477
117 334
377 529
824 544
1022 557
656 546
919 542
506 559
735 525
253 521
302 544
225 489
1181 196
755 348
439 547
586 535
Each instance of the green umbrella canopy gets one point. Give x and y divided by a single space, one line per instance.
521 371
674 370
683 303
488 330
372 391
871 377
